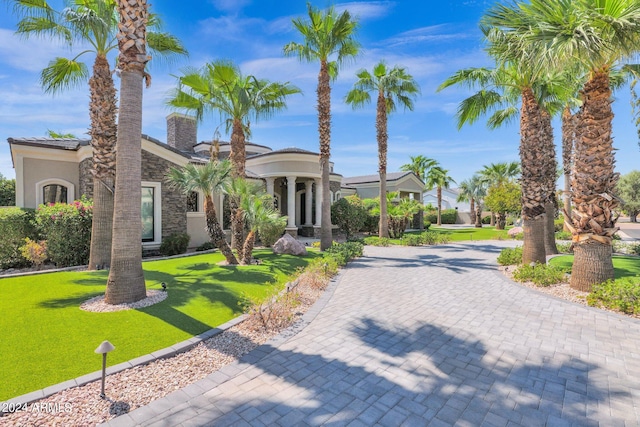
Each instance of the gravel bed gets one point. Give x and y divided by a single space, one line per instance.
136 387
98 305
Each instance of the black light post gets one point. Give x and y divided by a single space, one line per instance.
103 349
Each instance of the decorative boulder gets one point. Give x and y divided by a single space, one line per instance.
288 245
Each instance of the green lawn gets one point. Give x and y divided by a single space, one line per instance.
623 266
464 234
47 339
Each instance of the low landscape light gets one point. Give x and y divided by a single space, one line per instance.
103 349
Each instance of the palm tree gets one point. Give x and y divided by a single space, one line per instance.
439 178
496 174
419 165
220 87
94 24
209 179
126 279
473 191
258 211
500 89
597 34
393 86
239 189
329 39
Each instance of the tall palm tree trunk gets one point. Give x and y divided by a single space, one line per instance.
126 279
593 184
478 216
568 134
381 130
439 195
550 165
238 160
102 113
533 191
248 247
324 131
472 209
215 232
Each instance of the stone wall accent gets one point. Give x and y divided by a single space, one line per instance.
174 202
86 178
182 132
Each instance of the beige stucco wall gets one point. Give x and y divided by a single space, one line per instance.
285 167
196 222
36 170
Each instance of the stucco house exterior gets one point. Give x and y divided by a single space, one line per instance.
55 169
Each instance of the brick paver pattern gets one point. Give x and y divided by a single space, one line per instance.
427 336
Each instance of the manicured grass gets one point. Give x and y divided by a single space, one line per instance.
623 266
47 339
465 234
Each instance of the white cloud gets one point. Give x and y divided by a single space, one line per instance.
366 10
434 33
230 5
230 27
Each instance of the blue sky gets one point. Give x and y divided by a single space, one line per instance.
431 39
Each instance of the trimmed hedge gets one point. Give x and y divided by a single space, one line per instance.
175 244
448 216
16 224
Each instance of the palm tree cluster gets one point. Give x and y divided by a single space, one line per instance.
433 175
551 56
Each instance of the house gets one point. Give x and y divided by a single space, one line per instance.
450 201
58 170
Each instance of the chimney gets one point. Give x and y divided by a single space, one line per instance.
182 132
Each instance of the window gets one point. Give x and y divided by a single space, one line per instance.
54 193
192 202
151 210
148 211
54 190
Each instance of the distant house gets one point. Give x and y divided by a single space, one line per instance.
58 170
449 201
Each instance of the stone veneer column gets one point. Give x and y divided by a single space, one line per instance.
270 185
291 201
318 202
308 205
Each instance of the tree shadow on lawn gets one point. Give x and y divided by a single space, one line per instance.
453 383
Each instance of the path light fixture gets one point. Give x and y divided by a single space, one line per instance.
103 349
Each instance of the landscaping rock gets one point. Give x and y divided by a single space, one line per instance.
288 245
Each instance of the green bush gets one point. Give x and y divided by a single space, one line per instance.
486 219
206 246
426 224
540 274
16 224
345 252
510 256
376 241
558 224
620 294
270 231
67 230
371 223
430 237
564 248
563 235
448 216
175 244
411 240
349 214
34 251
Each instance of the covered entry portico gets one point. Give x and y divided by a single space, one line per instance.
292 177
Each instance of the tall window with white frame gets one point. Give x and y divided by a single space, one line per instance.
148 226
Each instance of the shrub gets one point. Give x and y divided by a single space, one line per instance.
376 241
345 252
275 311
510 256
67 230
486 219
34 251
371 223
206 246
16 224
325 267
564 248
175 244
558 224
430 237
349 214
448 216
426 224
540 274
443 238
412 240
620 294
563 235
270 231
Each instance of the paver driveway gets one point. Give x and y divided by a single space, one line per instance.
427 336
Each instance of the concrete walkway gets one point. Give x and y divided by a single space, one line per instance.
427 336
